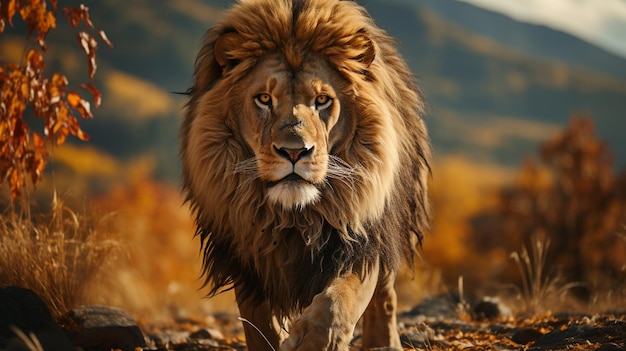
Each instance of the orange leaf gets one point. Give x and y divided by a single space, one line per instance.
7 11
84 14
56 127
82 135
79 104
38 165
97 97
16 180
35 60
38 141
59 80
75 15
72 17
73 99
83 39
89 46
61 137
104 38
85 109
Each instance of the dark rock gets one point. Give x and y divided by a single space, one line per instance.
208 343
611 346
100 328
206 334
418 338
490 308
21 309
523 336
164 338
443 326
574 335
448 306
439 307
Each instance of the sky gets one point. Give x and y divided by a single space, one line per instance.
602 22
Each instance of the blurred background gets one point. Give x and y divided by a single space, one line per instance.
527 105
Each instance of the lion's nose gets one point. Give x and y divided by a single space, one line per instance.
293 155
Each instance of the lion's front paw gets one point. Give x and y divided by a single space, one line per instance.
307 335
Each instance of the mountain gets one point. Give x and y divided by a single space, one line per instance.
539 40
495 87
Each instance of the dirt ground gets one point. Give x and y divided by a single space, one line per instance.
562 331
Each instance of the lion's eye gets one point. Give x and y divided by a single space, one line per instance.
322 102
263 100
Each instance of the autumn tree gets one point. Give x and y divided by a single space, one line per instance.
27 89
572 197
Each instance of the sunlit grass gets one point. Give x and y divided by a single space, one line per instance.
59 255
541 289
30 340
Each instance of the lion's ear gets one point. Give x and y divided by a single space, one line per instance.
223 47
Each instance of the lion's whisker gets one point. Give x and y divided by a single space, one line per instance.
340 170
246 166
258 330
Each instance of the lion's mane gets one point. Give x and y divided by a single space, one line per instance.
287 256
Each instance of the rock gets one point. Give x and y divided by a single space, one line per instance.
490 308
449 306
523 336
163 338
420 337
205 333
611 346
438 307
573 335
100 328
21 309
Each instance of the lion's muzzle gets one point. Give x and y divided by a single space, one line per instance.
295 160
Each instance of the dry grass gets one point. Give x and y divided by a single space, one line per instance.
59 255
30 340
542 290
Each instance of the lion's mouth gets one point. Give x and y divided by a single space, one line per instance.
293 191
293 177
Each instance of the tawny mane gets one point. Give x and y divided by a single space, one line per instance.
379 214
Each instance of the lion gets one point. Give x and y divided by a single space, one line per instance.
305 161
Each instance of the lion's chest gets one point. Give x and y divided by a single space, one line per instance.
291 270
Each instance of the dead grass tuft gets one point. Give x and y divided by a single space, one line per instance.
59 255
541 289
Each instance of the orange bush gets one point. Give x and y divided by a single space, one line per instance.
573 198
159 277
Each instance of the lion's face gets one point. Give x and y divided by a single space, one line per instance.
290 119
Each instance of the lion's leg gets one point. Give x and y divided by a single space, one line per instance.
328 322
268 336
380 326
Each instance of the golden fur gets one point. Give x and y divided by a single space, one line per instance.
361 199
